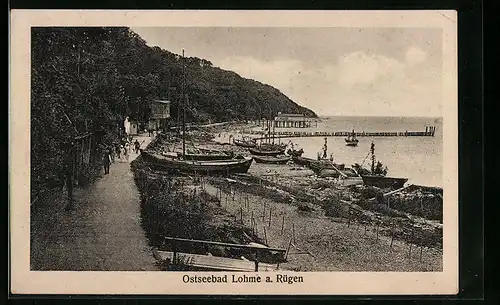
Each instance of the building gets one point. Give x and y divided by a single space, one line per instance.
160 112
293 120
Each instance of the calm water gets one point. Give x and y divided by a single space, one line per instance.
417 158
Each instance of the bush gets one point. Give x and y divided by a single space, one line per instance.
370 192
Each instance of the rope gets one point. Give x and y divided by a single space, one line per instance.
365 159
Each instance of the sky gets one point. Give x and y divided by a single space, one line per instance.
333 71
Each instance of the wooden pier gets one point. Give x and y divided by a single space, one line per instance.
429 132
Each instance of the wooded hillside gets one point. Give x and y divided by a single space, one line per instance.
89 79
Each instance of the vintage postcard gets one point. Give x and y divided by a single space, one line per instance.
234 152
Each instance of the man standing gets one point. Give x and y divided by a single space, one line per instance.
137 146
107 160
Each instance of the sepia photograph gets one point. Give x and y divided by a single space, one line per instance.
238 153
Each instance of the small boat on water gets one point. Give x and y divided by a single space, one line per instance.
271 159
265 152
174 165
351 139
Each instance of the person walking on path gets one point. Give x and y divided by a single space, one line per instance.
118 151
126 148
107 160
137 145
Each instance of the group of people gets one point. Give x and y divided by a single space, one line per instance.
119 151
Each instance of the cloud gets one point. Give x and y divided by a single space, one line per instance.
415 56
360 68
355 83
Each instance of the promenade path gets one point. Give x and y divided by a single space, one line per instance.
101 232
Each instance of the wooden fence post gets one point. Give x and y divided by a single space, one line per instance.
288 249
270 209
282 223
392 233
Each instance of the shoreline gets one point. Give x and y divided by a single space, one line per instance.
305 199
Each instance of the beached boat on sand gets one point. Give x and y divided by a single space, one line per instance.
174 165
245 143
271 159
384 182
208 157
262 152
378 178
302 160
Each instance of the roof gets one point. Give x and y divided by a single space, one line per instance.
292 118
163 102
290 115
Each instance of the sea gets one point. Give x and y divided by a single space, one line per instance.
420 159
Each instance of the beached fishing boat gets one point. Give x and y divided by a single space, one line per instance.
318 165
208 157
201 161
271 159
175 165
243 143
351 139
384 182
265 152
302 160
294 152
378 178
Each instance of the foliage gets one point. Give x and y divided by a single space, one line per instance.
89 79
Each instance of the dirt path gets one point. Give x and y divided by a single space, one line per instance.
101 232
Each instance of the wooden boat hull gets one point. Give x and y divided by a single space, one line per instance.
258 152
202 167
302 161
207 157
351 144
295 153
244 144
318 165
271 160
384 182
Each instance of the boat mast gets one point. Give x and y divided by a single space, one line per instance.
372 150
274 125
325 149
183 106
